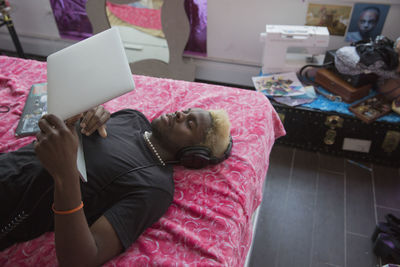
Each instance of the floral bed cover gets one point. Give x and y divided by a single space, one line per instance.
209 222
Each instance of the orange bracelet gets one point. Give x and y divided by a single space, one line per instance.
65 212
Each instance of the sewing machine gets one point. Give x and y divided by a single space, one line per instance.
279 38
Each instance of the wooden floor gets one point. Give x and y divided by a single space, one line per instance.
320 211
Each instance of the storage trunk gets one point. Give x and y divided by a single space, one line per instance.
341 135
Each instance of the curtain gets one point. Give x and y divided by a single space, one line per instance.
197 14
71 19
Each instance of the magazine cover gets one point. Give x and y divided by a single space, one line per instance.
292 101
281 84
35 107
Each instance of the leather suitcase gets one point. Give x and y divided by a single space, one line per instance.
341 135
334 84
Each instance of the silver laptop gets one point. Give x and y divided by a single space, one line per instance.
87 74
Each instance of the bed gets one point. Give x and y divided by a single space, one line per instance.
210 220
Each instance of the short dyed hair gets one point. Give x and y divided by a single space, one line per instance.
218 136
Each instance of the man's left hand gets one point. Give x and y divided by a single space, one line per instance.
95 119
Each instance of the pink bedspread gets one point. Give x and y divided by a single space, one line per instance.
209 222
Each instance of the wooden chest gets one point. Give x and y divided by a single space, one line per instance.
333 83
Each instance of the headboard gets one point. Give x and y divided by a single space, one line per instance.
176 28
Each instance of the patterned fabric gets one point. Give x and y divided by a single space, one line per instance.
324 104
115 21
348 62
142 17
209 221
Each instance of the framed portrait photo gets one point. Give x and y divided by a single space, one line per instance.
366 22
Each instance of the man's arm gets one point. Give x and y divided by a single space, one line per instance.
79 247
76 243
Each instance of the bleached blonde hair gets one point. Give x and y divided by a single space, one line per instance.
217 137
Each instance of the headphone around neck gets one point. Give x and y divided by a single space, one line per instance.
197 157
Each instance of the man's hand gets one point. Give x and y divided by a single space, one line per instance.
57 145
95 119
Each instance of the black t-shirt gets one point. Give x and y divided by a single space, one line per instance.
132 198
125 181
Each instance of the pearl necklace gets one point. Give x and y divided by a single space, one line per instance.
146 136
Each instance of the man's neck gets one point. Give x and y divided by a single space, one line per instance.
154 145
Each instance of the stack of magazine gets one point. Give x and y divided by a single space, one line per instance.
284 88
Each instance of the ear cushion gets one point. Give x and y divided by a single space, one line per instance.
197 157
194 157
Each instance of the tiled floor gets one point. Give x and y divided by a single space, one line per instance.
320 211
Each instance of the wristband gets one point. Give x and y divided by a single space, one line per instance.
66 212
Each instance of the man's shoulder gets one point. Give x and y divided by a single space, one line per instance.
129 113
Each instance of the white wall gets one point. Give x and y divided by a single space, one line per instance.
234 26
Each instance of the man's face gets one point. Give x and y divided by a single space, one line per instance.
367 21
182 128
